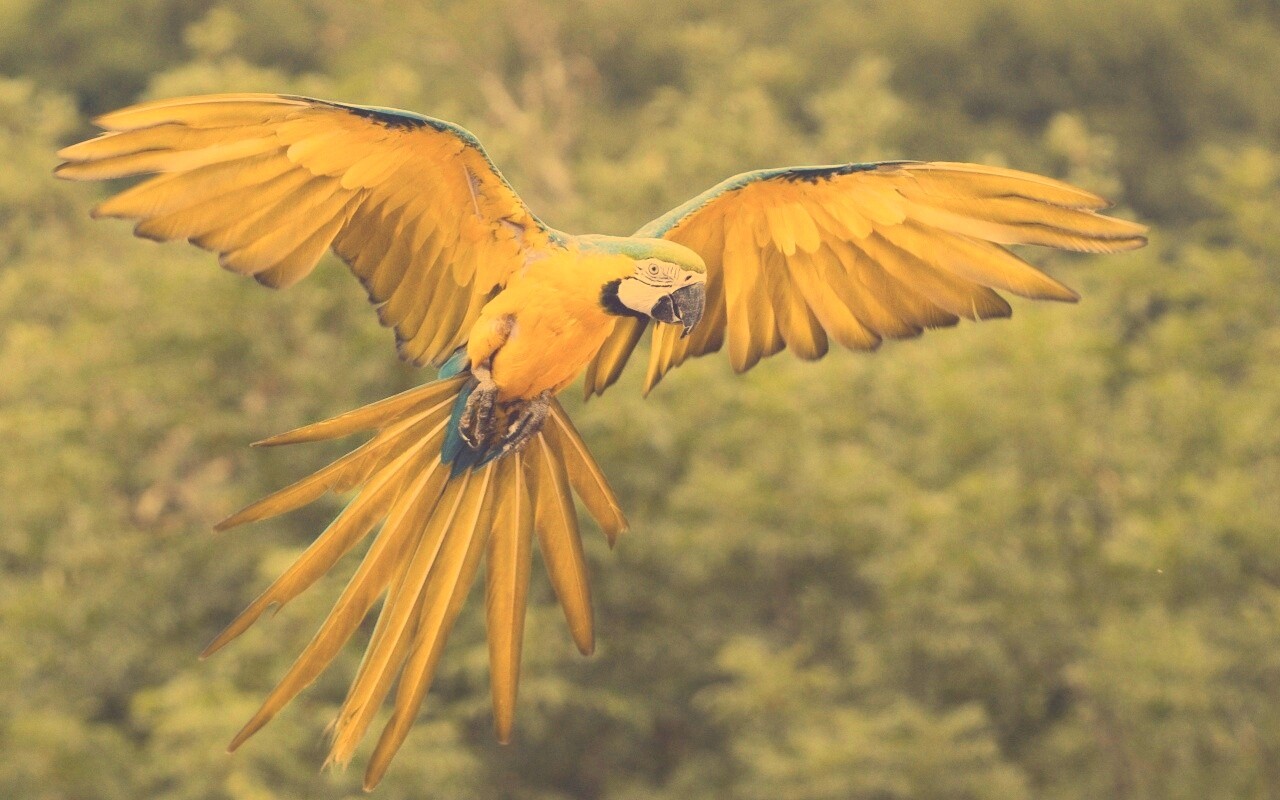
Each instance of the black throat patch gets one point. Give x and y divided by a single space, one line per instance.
609 299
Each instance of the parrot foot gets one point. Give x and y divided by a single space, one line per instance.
487 422
477 414
526 424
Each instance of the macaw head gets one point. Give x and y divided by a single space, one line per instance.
663 290
668 283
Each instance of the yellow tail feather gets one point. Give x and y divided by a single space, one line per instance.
432 533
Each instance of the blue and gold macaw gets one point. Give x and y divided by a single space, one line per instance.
475 465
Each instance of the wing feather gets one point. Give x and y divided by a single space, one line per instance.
607 366
148 161
212 111
270 182
822 291
165 194
861 252
740 278
982 181
893 309
164 137
184 214
892 251
288 231
297 264
229 233
799 329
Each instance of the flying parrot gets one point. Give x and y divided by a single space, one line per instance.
474 466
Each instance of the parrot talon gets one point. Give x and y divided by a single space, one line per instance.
530 420
477 414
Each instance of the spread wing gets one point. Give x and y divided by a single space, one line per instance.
858 253
270 182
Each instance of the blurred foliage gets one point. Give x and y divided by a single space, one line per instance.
1036 558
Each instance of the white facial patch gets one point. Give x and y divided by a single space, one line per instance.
640 296
652 280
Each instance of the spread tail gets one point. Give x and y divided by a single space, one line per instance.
435 529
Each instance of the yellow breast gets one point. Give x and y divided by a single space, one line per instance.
558 321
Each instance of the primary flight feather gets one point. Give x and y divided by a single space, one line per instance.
478 465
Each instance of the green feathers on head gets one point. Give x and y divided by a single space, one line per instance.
640 248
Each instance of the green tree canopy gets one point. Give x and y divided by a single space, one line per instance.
1025 559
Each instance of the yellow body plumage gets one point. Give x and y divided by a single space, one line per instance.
548 323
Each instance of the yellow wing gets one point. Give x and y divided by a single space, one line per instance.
270 182
859 253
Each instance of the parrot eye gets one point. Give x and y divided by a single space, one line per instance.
655 273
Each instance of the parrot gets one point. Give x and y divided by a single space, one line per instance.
474 467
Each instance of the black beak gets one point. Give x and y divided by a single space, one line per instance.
683 306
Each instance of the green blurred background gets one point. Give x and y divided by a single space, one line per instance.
1037 558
